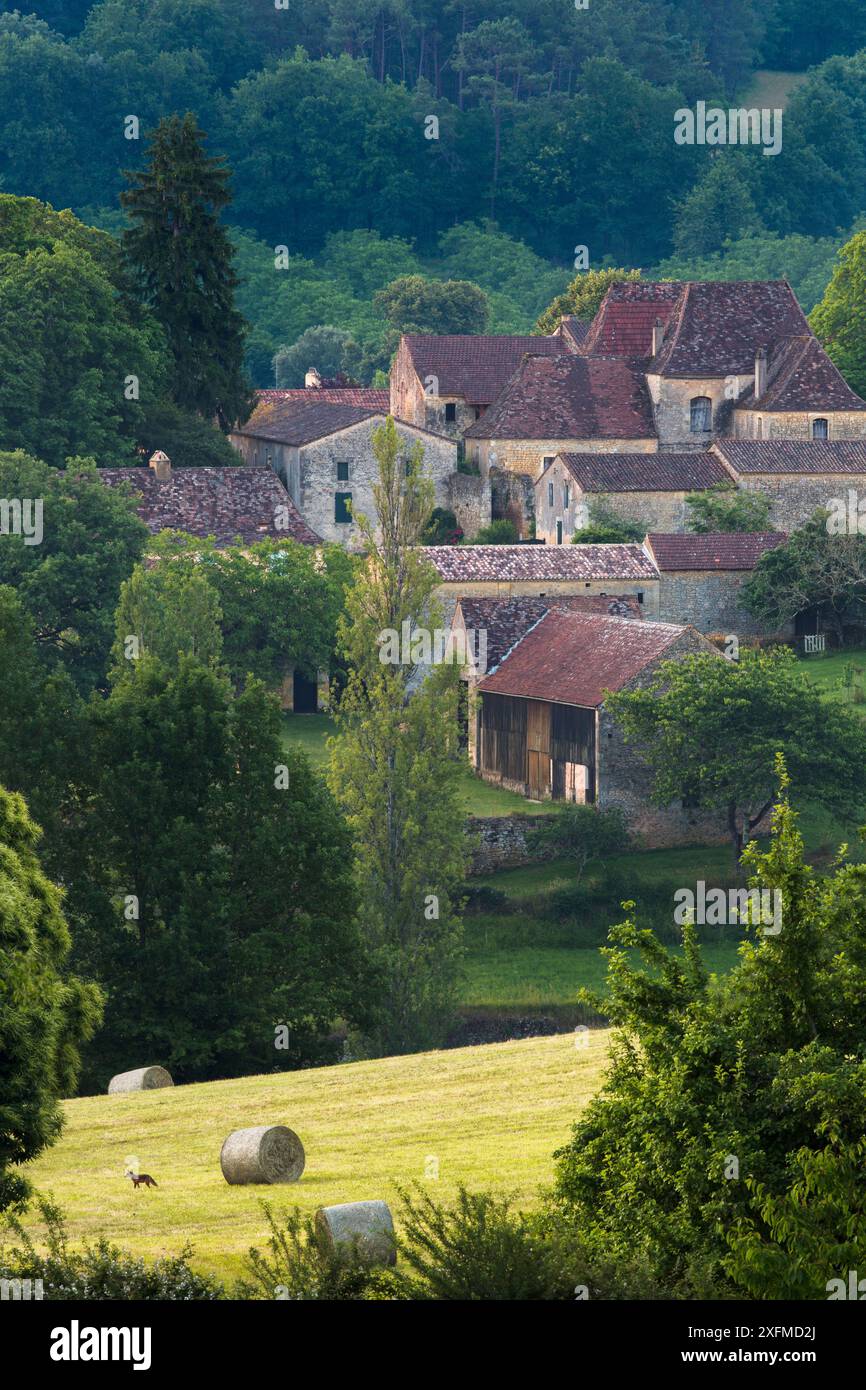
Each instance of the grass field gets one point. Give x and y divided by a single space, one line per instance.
841 675
491 1115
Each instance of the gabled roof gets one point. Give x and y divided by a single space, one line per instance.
475 366
507 620
368 396
300 422
712 327
573 658
472 564
221 502
572 330
793 455
570 397
718 550
644 472
800 376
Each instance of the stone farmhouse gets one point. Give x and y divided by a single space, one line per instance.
542 729
797 475
700 578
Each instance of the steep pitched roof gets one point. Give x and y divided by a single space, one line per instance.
468 564
712 327
570 397
475 366
800 376
719 550
645 472
573 331
750 456
369 396
507 620
301 422
219 502
573 658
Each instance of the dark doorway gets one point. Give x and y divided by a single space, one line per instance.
305 694
806 622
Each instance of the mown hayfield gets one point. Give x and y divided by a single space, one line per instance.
491 1115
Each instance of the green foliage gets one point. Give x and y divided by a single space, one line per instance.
411 304
396 762
70 583
168 611
806 262
726 508
300 1264
501 532
181 259
582 833
710 728
321 347
814 567
719 208
442 528
189 441
46 1014
840 318
98 1272
606 527
723 1142
583 297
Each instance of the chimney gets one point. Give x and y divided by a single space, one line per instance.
658 336
760 372
161 465
312 380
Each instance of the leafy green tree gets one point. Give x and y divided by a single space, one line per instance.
322 347
493 59
395 764
583 833
709 729
189 441
583 297
181 257
605 527
724 1141
46 1014
726 508
411 304
168 611
69 583
814 568
840 318
806 262
719 207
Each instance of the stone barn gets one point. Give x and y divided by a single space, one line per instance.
543 730
797 476
701 577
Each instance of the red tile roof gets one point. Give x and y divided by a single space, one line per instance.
719 550
570 397
713 327
645 472
219 502
573 658
507 620
793 455
800 376
572 330
301 422
369 396
471 564
475 366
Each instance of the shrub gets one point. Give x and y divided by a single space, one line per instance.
502 532
299 1265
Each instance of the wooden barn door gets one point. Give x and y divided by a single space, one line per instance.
538 748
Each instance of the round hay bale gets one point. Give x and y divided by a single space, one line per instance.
365 1227
142 1079
265 1153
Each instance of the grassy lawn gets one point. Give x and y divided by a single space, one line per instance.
840 675
492 1116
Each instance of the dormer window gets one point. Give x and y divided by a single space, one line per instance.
820 429
700 414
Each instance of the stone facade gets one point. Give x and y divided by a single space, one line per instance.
555 523
645 590
672 404
710 600
784 424
794 497
531 456
419 402
469 500
500 842
512 498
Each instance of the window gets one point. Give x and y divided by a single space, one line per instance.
701 414
546 461
640 596
565 496
559 533
450 413
479 411
759 432
407 467
342 508
820 429
550 494
342 472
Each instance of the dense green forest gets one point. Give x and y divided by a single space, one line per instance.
554 130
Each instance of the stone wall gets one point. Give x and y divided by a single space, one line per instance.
652 511
672 397
795 496
499 842
469 498
529 455
419 402
709 599
319 482
512 498
784 424
649 588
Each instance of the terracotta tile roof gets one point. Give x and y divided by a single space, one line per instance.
507 620
645 472
713 327
468 564
572 330
572 658
300 422
570 397
219 502
725 550
368 396
475 366
800 376
793 455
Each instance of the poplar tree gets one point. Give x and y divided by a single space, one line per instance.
395 763
181 258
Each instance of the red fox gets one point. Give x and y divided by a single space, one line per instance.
145 1178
